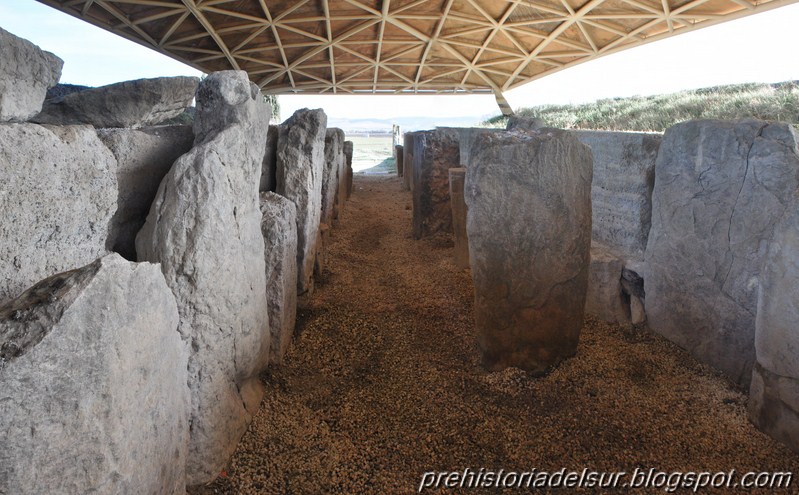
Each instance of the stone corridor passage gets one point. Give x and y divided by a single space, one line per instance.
382 384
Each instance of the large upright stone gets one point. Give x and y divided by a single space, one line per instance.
407 160
204 228
720 187
348 150
398 159
457 179
529 227
93 395
774 391
268 182
435 152
300 169
605 297
144 157
26 72
621 194
334 155
279 228
58 192
137 103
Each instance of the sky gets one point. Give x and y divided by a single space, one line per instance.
759 48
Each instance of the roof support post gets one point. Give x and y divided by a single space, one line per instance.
504 106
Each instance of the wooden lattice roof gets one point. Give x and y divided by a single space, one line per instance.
398 46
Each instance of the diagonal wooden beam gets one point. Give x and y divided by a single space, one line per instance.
433 39
195 11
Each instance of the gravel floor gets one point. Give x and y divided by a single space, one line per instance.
382 384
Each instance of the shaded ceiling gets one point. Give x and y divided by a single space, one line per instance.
398 46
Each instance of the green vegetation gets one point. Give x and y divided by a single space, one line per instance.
778 101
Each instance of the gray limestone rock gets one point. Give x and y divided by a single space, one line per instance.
529 227
621 194
58 192
268 182
137 103
720 187
516 123
334 155
300 173
457 179
93 395
605 298
279 228
774 390
26 72
434 153
407 161
204 227
144 157
348 150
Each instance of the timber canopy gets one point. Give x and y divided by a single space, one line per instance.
398 46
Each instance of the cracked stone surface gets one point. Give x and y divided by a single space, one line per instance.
529 229
58 194
621 193
720 187
93 395
300 174
204 227
434 153
26 73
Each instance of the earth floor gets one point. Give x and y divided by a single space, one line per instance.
383 384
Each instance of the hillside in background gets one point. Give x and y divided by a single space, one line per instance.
778 101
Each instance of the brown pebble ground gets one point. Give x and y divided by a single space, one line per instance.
383 384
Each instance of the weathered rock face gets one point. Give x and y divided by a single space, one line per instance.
300 169
457 178
144 157
26 72
279 228
774 391
719 189
398 158
93 395
136 103
204 228
268 181
334 155
604 298
407 161
516 123
529 227
435 152
341 193
348 149
57 194
621 194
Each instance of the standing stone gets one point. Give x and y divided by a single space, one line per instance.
279 228
144 157
26 72
457 178
398 159
719 189
205 229
466 137
407 161
605 297
435 152
348 150
774 391
93 395
136 103
300 169
58 192
529 227
621 194
268 182
334 146
341 193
